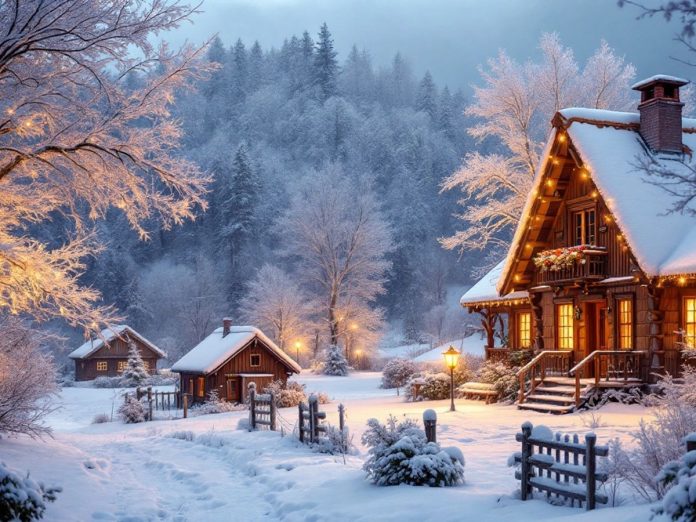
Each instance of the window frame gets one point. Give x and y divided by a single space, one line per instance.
121 366
200 387
570 325
619 321
251 360
102 366
518 329
584 226
685 320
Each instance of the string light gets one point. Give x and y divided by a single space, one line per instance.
561 138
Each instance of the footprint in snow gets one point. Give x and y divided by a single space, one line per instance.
286 467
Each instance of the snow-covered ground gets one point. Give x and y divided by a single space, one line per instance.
144 472
472 345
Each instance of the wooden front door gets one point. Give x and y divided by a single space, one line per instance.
232 390
595 329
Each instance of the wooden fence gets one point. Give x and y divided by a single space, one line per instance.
311 420
262 409
161 400
560 467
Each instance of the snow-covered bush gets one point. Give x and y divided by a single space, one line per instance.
21 498
27 379
101 418
132 410
214 404
396 373
186 435
106 382
287 394
614 465
678 479
335 362
135 373
400 454
335 442
323 398
502 376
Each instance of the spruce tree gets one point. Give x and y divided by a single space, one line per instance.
216 53
325 65
426 100
335 362
445 113
135 372
239 73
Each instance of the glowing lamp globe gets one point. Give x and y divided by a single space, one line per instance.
451 357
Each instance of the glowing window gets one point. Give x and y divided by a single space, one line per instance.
585 227
122 365
102 366
625 323
690 321
564 326
201 387
524 330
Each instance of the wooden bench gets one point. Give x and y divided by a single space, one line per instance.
479 391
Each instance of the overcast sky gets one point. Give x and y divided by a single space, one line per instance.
450 38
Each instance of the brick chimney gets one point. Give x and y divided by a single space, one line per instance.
226 326
661 112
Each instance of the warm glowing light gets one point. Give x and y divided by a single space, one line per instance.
619 237
607 218
517 277
594 194
561 138
451 357
353 326
549 183
681 280
528 245
298 345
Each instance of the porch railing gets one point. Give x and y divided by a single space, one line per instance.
594 267
548 362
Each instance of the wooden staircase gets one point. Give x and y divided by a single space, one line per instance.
548 384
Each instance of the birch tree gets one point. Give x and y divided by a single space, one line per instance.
336 232
76 138
513 108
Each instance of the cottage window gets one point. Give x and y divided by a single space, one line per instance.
201 387
585 227
524 330
255 359
190 387
122 365
625 323
102 366
564 326
690 321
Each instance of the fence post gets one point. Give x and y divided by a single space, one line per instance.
342 425
312 418
273 412
137 393
524 465
300 408
185 400
252 407
691 442
430 422
149 402
590 467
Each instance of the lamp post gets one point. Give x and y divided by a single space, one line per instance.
451 358
358 353
298 345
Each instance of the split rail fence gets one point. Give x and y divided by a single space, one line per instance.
560 466
262 409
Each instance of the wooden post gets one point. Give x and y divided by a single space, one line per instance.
577 389
185 398
300 423
430 422
526 454
272 415
149 402
137 393
342 426
252 407
313 433
590 467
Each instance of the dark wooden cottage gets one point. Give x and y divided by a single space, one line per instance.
108 355
231 358
600 279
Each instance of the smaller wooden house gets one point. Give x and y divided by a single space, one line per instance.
108 355
231 358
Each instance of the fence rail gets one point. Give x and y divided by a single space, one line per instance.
550 470
262 409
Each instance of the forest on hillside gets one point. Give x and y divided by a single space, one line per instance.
271 126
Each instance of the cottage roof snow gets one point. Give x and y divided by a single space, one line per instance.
485 290
610 146
109 334
214 350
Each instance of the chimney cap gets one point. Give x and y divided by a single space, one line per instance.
659 78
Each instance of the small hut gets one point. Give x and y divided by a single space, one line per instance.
107 355
231 358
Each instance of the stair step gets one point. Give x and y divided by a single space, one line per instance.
563 399
545 408
558 390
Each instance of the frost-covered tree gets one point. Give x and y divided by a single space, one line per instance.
135 372
276 304
22 498
514 106
426 99
336 231
325 64
77 140
397 372
335 362
27 379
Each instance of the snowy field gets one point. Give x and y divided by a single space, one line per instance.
142 472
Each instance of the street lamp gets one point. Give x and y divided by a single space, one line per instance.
298 345
451 359
358 353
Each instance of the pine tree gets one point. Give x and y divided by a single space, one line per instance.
325 65
255 67
216 53
335 362
135 372
426 100
239 75
444 119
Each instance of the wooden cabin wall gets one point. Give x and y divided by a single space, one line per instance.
115 351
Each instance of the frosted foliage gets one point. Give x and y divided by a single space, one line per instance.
132 410
514 106
214 404
287 394
21 498
679 479
397 372
27 379
77 140
400 454
135 372
335 362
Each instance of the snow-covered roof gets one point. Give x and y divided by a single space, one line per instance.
485 290
214 350
658 78
609 145
109 334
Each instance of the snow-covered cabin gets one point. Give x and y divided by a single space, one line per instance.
610 273
231 358
107 355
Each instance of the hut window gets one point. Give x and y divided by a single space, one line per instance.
564 326
524 330
624 307
690 322
201 387
102 366
584 223
190 386
146 365
122 365
255 359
